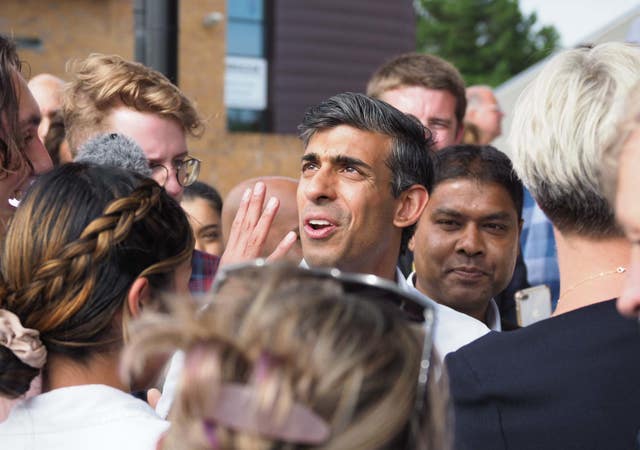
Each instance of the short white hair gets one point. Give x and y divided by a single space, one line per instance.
611 155
562 123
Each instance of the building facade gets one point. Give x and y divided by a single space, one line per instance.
280 56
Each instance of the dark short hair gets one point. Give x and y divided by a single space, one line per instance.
481 163
206 192
410 156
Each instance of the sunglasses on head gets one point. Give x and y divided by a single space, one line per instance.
413 308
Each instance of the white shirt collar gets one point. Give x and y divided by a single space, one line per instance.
492 319
400 280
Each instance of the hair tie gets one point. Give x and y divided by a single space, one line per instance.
23 342
235 409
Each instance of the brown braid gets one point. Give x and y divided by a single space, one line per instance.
80 238
70 275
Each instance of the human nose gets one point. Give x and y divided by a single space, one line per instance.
200 245
319 186
168 179
470 241
172 186
629 301
39 157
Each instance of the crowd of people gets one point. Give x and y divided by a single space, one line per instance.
369 304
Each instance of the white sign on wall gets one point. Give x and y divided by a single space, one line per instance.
245 83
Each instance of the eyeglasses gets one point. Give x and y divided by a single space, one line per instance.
413 308
187 171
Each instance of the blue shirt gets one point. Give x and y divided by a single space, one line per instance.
539 248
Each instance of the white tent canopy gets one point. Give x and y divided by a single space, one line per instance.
624 28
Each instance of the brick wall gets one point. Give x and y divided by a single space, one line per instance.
75 28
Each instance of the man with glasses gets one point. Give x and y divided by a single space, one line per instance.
110 94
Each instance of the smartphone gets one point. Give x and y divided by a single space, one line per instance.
533 304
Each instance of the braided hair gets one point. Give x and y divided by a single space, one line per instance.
81 237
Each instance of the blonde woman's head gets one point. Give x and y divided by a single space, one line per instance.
297 342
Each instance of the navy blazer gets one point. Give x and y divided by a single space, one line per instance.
568 382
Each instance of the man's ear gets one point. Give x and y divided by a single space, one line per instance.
410 205
138 296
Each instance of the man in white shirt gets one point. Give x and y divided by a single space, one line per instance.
354 213
365 175
466 241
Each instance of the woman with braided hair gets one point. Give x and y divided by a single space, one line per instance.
87 250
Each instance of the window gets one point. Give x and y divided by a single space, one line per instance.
246 66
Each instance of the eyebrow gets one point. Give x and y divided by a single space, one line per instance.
440 121
338 160
211 226
154 161
181 155
454 213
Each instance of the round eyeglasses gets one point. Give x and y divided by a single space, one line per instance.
187 170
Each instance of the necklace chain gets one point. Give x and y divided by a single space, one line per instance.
618 270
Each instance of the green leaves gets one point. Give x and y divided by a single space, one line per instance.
489 41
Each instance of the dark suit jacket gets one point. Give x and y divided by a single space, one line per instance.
568 382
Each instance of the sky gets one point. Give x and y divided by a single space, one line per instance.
576 19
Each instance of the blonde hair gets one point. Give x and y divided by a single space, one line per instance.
351 361
562 123
629 123
102 82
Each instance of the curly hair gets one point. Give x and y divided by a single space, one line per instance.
102 82
82 235
354 362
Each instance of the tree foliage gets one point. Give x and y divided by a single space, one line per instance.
489 41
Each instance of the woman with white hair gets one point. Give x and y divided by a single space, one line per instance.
571 381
